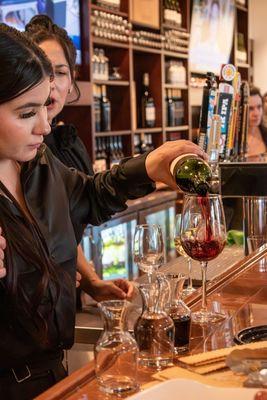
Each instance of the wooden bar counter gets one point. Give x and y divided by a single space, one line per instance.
241 292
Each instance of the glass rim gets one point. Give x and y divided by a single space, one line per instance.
208 196
113 302
148 226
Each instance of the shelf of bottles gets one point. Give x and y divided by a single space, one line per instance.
139 76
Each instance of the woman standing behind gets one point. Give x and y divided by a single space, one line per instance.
64 141
257 133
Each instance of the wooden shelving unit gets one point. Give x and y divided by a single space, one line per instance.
133 60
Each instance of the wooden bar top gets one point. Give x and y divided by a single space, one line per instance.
240 292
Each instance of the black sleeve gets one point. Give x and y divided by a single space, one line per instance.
95 199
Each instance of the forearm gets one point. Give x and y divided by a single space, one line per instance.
87 271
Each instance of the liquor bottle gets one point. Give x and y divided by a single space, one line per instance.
192 174
100 163
178 14
241 53
120 147
148 110
97 107
137 145
170 109
114 154
105 111
167 12
178 107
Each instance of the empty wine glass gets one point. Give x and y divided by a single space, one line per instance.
148 248
203 236
179 248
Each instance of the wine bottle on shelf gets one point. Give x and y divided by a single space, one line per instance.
97 107
149 142
120 147
178 108
148 109
100 163
115 155
105 110
170 108
192 174
178 14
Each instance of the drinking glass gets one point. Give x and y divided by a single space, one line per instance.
116 350
148 248
179 248
203 236
254 242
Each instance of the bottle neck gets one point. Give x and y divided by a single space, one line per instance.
114 314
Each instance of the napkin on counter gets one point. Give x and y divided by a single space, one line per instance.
210 361
209 367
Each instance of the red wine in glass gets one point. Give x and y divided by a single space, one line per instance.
203 250
203 236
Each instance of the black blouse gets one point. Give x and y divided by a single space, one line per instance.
66 145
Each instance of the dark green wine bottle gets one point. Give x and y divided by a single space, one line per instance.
192 174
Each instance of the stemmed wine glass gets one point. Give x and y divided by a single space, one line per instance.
179 248
148 248
203 236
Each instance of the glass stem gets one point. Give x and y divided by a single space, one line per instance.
190 281
204 265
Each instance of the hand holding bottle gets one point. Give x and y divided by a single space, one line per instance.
158 161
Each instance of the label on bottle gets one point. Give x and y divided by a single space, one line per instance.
150 113
178 161
100 165
167 16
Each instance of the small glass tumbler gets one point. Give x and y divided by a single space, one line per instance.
116 351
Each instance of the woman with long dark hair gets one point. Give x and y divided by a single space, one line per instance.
64 141
257 132
43 205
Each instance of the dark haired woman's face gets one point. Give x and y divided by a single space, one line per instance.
62 82
255 110
23 123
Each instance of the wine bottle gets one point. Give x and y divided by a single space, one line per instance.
192 174
170 109
100 163
105 111
148 110
97 107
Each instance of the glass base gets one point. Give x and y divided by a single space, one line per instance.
206 317
188 291
118 385
181 349
155 362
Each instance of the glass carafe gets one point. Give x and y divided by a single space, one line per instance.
179 312
154 329
116 350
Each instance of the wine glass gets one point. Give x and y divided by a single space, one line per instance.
179 248
148 248
203 236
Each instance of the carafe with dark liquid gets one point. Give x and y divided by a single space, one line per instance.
179 313
154 329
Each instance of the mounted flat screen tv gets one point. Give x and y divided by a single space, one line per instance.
65 13
211 39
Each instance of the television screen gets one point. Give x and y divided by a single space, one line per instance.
212 28
65 13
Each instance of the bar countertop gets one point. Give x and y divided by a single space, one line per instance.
240 292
